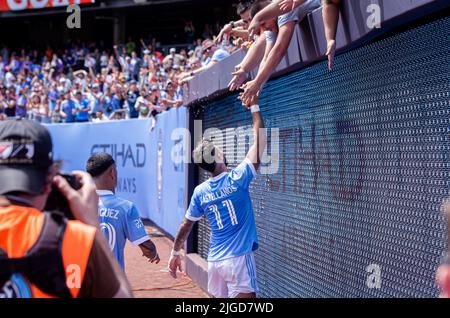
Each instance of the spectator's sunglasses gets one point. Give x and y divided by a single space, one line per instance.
208 49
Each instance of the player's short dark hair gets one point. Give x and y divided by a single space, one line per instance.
204 155
243 6
257 6
98 163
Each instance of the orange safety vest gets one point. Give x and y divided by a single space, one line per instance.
21 228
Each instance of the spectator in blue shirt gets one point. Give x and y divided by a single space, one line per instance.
94 98
21 83
53 96
21 104
82 108
117 100
106 101
68 109
214 54
169 96
133 94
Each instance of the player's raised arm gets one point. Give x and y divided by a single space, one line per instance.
259 133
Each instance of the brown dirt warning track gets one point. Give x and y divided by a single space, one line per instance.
154 281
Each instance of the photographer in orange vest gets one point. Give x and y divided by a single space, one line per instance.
43 254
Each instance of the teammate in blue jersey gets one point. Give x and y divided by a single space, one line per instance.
119 218
225 200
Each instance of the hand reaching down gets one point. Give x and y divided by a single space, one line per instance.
174 265
251 92
239 77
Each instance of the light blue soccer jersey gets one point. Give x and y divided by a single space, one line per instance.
225 200
119 221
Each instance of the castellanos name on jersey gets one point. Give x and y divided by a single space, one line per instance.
119 221
225 199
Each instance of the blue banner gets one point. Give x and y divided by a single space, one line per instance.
147 174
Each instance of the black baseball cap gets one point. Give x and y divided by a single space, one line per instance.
25 156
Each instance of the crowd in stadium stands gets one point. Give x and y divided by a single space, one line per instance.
83 83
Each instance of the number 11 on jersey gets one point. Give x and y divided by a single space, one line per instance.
231 211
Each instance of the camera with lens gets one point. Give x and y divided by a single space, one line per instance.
57 202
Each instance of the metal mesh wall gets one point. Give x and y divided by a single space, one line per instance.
363 170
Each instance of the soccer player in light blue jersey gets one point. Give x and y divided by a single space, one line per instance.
119 218
225 200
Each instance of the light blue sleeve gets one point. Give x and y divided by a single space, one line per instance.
271 36
134 228
219 55
194 212
299 13
286 18
243 174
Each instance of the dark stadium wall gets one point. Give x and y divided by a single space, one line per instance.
39 32
163 20
354 209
